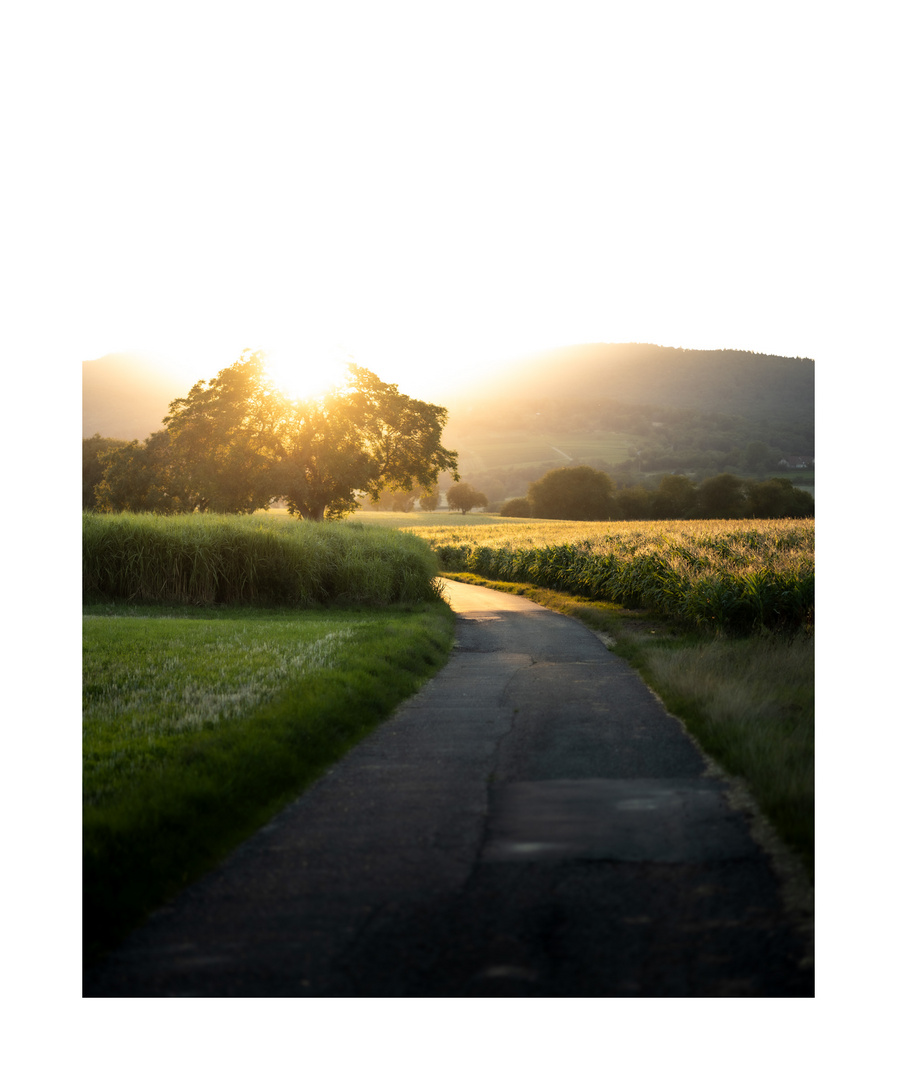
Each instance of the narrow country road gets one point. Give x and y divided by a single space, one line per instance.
532 823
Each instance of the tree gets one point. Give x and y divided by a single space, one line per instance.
721 496
225 438
142 478
633 503
519 507
756 455
675 498
577 493
363 437
93 464
463 497
429 500
323 461
235 444
778 498
402 436
400 502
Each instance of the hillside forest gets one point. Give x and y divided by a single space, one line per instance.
638 412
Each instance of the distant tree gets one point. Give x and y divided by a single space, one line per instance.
803 505
429 500
463 497
778 498
634 503
675 499
721 496
93 466
756 455
401 501
141 477
578 493
517 508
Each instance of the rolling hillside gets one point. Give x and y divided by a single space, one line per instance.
724 381
635 410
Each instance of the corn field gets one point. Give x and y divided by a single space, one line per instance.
731 576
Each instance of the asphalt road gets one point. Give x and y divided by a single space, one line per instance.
533 823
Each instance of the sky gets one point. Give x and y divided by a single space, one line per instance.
430 190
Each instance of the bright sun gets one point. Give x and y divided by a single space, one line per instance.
304 373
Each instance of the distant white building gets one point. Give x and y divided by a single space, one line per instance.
797 462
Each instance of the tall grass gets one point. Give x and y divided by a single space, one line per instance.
750 705
730 576
218 559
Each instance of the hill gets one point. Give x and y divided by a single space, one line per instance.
124 396
634 410
724 381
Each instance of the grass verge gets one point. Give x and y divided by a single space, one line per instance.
200 724
749 702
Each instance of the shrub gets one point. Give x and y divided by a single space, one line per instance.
517 508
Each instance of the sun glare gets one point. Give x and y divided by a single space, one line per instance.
300 373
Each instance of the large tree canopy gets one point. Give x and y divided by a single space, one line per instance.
363 437
235 443
225 437
575 493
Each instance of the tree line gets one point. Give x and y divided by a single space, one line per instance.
460 496
235 444
581 493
